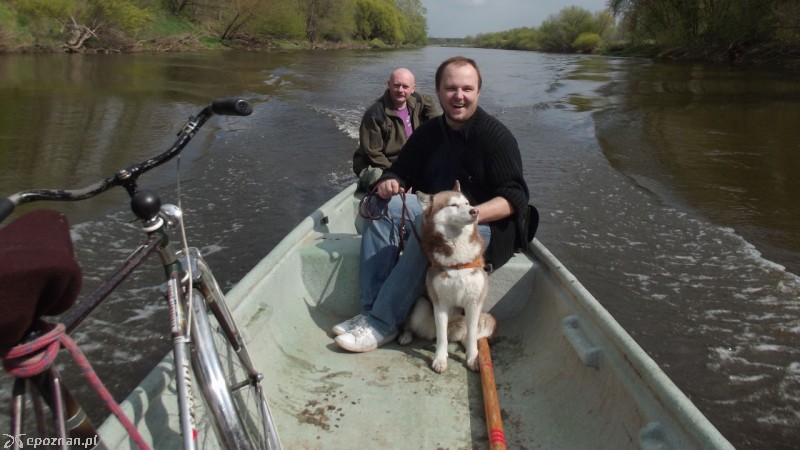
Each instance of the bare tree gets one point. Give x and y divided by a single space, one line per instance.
77 34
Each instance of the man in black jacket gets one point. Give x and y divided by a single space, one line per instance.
466 144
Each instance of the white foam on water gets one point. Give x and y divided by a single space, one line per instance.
347 120
146 312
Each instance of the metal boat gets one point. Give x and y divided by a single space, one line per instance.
567 375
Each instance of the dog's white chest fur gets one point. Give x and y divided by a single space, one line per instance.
458 287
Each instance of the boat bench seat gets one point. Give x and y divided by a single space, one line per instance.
509 287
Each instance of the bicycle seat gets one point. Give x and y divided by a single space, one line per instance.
39 275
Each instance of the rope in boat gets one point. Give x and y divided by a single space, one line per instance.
34 357
368 211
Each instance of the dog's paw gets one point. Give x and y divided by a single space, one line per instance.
405 337
439 365
474 364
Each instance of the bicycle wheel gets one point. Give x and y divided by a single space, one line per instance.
226 377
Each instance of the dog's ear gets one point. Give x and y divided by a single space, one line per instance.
457 186
425 201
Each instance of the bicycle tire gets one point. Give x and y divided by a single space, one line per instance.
232 392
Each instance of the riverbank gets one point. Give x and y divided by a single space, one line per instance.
736 54
741 55
186 42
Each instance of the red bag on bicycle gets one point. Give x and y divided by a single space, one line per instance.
39 275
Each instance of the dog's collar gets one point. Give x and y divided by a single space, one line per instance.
476 263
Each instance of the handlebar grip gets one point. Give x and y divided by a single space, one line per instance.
231 107
6 208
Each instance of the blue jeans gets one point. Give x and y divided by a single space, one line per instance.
389 284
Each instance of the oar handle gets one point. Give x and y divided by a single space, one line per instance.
494 421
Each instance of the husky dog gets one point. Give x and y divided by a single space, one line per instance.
456 279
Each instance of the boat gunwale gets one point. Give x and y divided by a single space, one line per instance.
654 379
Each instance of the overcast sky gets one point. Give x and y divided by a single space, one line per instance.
461 18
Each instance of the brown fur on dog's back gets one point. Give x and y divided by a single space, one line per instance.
420 323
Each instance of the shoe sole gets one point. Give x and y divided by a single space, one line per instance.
361 349
354 349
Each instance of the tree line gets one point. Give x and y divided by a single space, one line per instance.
125 25
573 29
708 29
723 30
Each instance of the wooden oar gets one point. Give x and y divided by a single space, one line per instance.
494 422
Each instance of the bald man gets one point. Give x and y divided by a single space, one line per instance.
388 123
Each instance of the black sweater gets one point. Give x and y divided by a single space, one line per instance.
484 156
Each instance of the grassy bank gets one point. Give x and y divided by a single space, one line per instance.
167 33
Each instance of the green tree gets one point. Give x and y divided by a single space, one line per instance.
415 30
41 16
44 9
379 19
604 24
787 20
524 39
559 31
237 14
329 19
572 29
701 22
123 15
515 39
587 42
282 18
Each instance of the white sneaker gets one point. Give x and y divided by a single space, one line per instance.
349 324
364 338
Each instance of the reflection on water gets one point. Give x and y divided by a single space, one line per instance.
718 144
724 140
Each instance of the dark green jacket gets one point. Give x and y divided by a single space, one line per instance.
382 134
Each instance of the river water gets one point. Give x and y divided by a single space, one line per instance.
669 190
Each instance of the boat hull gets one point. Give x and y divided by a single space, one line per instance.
568 376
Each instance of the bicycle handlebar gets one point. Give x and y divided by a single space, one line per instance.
231 107
127 177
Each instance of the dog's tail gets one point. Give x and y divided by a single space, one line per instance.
421 323
487 326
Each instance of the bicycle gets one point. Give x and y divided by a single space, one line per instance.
202 327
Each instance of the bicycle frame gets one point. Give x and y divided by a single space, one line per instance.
181 268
